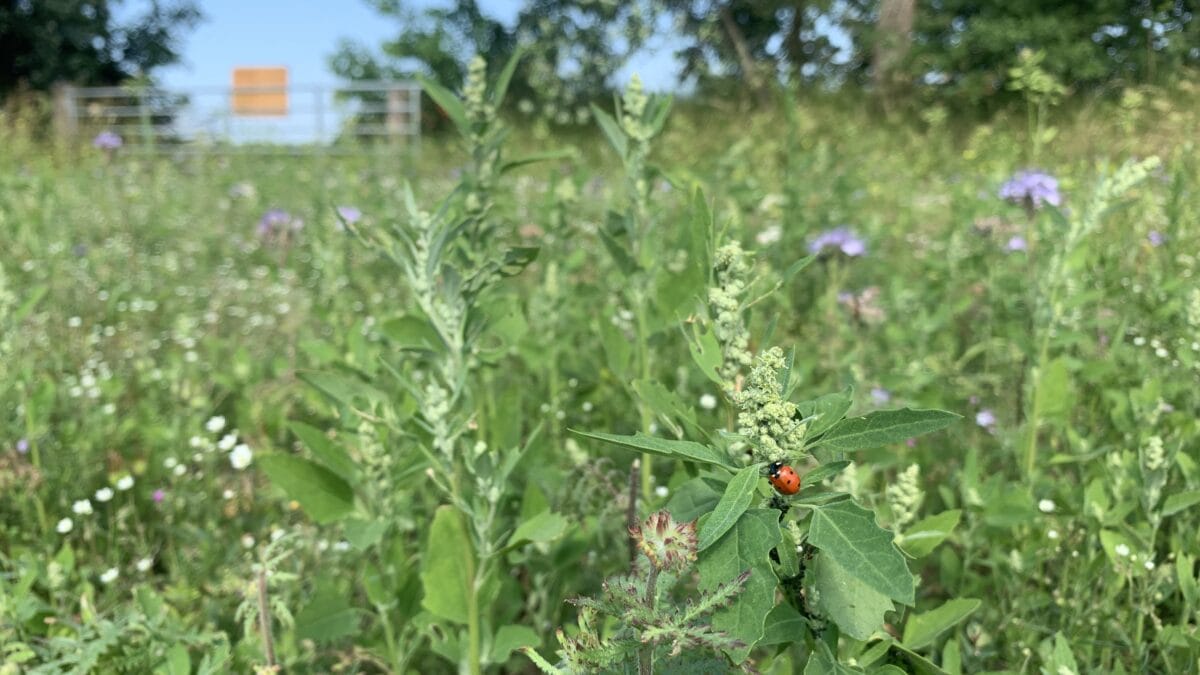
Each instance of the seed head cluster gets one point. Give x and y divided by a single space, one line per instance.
766 418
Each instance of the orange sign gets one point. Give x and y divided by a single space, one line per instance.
260 92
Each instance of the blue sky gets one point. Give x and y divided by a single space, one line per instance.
302 34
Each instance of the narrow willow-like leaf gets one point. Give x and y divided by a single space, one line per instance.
322 493
884 427
922 629
686 450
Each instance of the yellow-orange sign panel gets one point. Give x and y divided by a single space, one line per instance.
260 92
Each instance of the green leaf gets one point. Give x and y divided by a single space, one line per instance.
448 568
923 536
323 494
617 350
448 102
543 527
845 598
667 405
706 352
922 629
822 661
178 662
685 450
343 389
612 131
691 500
363 534
784 626
733 504
411 332
796 267
537 157
327 617
34 297
500 88
330 454
884 427
511 638
916 664
819 474
1180 501
1055 400
848 534
1057 656
826 411
746 546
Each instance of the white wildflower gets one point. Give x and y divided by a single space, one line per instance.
708 401
64 526
241 456
1047 506
144 564
82 507
1121 550
227 442
124 482
109 576
104 494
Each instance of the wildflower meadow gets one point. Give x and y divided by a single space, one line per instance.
685 389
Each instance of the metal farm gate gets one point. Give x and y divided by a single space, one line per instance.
312 118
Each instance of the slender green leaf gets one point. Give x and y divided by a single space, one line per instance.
884 427
733 504
612 131
543 527
447 572
922 629
448 102
331 455
685 450
819 474
923 536
1180 501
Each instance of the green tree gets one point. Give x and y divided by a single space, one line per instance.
44 42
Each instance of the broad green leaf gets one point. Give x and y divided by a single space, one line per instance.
952 658
448 102
327 617
178 661
845 598
1054 397
612 131
343 389
323 494
330 454
733 504
1057 655
1180 501
884 427
511 638
1117 546
363 534
819 474
448 569
617 350
746 546
667 405
784 625
691 500
685 450
826 411
411 332
543 527
847 533
916 664
923 536
922 629
706 352
823 662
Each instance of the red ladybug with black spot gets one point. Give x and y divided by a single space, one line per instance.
784 478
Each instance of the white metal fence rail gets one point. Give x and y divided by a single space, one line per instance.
325 118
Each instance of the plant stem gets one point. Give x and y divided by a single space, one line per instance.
264 618
646 652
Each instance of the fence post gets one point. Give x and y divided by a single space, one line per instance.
66 114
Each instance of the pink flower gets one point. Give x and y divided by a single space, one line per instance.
159 495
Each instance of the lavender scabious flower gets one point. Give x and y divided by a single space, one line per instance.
23 446
277 221
1032 188
1017 243
841 238
1156 238
880 395
349 214
986 419
107 140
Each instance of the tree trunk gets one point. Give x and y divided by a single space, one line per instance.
893 39
749 68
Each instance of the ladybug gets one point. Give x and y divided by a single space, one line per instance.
784 478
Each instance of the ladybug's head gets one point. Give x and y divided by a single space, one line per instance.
773 469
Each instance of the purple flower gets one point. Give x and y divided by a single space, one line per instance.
277 221
107 140
986 419
159 495
1156 238
880 395
23 446
1032 188
349 214
1017 243
841 238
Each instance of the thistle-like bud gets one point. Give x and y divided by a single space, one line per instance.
666 543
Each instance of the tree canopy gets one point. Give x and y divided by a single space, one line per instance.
44 42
